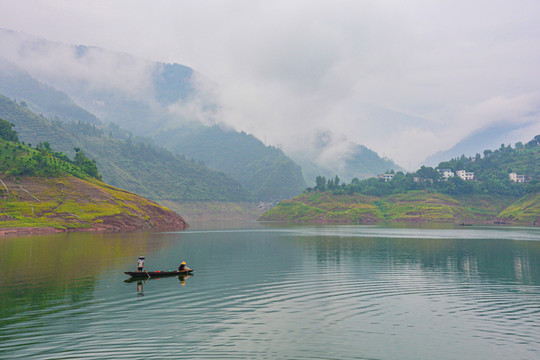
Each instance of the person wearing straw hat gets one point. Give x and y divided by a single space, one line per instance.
183 266
140 264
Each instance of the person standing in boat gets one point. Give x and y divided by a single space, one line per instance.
140 263
183 267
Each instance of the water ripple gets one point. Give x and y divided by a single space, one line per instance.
304 298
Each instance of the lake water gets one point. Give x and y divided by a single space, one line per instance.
276 292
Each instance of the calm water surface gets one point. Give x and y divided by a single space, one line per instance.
276 292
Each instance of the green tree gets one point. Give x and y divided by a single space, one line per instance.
6 131
330 184
426 172
44 147
87 165
320 183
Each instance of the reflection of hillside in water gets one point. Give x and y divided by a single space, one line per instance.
500 260
49 269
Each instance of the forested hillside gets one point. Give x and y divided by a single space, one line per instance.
493 166
129 164
491 175
265 171
426 195
18 159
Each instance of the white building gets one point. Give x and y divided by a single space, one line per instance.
446 173
464 175
386 177
516 178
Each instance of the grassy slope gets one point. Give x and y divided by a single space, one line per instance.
412 206
68 202
524 211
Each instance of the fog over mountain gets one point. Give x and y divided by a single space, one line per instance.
156 99
404 79
117 87
490 137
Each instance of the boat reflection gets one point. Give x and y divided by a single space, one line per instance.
183 278
142 282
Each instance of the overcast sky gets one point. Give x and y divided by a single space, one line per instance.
405 78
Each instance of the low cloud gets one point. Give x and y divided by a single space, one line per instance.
68 66
521 109
404 79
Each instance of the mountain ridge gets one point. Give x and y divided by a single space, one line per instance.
128 164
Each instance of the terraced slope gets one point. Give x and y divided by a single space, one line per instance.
413 206
67 203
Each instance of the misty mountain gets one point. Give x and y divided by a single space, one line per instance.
40 98
357 160
486 138
172 104
172 82
134 93
265 171
157 101
129 164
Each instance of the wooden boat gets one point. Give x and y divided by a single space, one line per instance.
152 274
